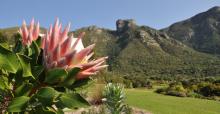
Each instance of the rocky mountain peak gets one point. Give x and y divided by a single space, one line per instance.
124 25
215 9
213 14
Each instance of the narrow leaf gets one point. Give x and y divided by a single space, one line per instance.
37 70
70 79
55 76
18 104
25 63
23 90
73 100
46 95
8 60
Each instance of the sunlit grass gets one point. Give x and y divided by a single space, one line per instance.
161 104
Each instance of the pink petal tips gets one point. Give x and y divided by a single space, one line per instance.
30 33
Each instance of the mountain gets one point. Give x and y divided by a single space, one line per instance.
141 51
201 32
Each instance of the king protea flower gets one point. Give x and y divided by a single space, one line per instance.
30 33
63 51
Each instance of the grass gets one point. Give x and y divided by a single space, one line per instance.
161 104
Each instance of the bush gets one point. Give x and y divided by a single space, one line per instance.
114 97
174 89
192 88
210 90
161 90
97 95
194 95
176 93
96 110
102 109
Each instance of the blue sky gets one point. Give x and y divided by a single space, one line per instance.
103 13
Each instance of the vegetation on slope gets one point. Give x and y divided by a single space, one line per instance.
146 52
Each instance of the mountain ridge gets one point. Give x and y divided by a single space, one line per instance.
201 32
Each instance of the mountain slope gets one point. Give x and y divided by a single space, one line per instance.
136 51
201 32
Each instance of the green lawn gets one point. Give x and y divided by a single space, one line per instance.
161 104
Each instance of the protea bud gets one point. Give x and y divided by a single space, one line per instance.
30 33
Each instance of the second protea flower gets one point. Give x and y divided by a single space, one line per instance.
63 51
30 33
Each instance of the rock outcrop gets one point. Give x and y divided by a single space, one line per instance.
124 25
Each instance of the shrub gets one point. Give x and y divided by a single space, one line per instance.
97 94
176 93
194 95
210 90
96 110
114 97
161 90
174 89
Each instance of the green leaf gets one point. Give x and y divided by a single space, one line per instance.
35 48
38 41
3 83
5 45
35 51
27 51
81 84
72 101
25 63
60 111
18 46
46 95
18 104
8 60
42 110
70 79
55 75
37 70
23 90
